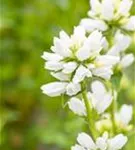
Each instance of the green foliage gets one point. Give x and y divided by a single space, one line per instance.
29 119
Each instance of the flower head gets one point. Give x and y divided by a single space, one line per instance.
109 13
85 142
75 58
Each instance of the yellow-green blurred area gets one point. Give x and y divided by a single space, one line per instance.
29 119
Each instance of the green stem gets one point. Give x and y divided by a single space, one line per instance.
113 110
88 110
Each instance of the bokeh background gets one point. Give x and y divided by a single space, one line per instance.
29 119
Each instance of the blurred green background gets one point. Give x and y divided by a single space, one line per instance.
29 119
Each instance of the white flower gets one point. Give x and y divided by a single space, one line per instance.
121 43
54 88
106 13
61 45
127 60
117 142
91 46
104 66
100 97
71 53
58 88
124 116
103 72
93 24
81 73
85 142
77 106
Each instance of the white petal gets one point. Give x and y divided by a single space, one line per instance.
117 142
103 103
73 89
86 141
81 73
107 9
61 48
125 114
94 41
130 25
114 50
64 37
77 106
54 65
101 99
98 87
103 72
77 147
51 56
83 53
107 60
124 7
78 36
95 6
122 41
69 67
127 60
54 88
61 76
92 24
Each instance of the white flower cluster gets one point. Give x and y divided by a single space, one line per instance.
79 61
75 58
85 142
105 14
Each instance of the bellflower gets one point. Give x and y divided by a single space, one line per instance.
109 13
85 142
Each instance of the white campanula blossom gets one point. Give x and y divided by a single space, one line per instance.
109 13
99 98
85 142
76 57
